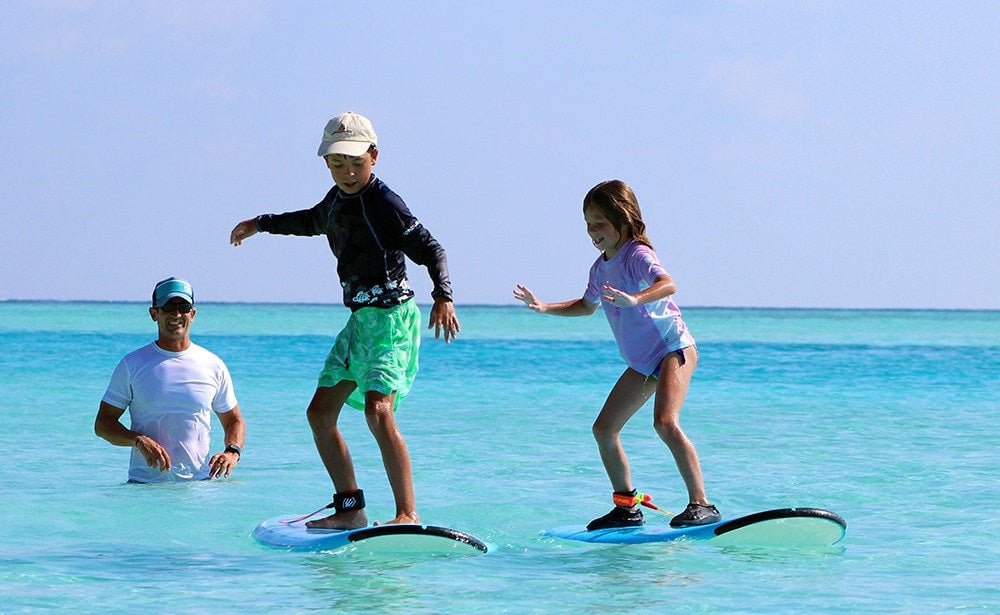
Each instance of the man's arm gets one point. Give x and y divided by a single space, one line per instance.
235 430
108 425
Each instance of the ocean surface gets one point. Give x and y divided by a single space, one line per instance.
888 418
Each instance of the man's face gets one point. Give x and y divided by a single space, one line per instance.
174 319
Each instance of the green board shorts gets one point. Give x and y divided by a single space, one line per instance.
378 349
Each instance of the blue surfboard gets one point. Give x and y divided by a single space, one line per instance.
783 527
290 532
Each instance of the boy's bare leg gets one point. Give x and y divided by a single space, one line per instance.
395 456
323 412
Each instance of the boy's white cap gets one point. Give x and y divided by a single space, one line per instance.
349 134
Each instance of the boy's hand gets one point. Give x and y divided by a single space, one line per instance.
443 317
243 230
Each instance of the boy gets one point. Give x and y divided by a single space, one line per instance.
374 360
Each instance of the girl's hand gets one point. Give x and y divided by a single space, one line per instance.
243 230
523 293
618 298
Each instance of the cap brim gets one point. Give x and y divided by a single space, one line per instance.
169 296
347 148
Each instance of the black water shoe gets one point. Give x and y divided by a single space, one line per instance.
618 517
697 514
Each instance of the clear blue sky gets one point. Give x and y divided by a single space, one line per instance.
812 154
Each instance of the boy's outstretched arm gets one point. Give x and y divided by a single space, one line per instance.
443 317
242 231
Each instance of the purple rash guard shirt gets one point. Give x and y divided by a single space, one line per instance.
645 333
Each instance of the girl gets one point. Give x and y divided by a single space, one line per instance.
635 291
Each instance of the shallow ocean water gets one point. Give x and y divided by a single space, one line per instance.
887 418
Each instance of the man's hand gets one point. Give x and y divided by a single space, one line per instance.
155 455
222 464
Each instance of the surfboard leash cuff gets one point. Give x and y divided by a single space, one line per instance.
626 498
349 500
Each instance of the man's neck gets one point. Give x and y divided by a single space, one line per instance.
174 345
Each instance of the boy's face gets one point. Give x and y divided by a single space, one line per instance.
351 173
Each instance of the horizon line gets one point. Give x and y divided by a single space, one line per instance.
515 305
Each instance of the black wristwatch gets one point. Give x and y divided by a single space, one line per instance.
232 448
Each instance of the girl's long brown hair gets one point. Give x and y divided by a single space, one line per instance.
616 202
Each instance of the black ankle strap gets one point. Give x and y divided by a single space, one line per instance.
349 500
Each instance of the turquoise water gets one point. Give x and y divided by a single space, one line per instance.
888 418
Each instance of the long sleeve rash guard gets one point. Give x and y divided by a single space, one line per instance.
369 233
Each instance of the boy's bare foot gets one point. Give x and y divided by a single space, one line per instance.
403 518
348 520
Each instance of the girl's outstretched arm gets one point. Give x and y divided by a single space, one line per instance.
662 287
575 307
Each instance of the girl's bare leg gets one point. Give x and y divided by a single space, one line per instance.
628 395
671 390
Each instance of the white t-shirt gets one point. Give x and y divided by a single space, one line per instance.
170 397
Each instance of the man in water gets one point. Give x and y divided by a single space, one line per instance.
170 387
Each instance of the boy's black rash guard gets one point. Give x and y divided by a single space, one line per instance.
369 232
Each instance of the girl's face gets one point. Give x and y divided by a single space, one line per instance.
351 173
605 236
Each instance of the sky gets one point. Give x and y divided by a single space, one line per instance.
785 154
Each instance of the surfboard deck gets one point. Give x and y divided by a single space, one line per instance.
783 527
390 539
